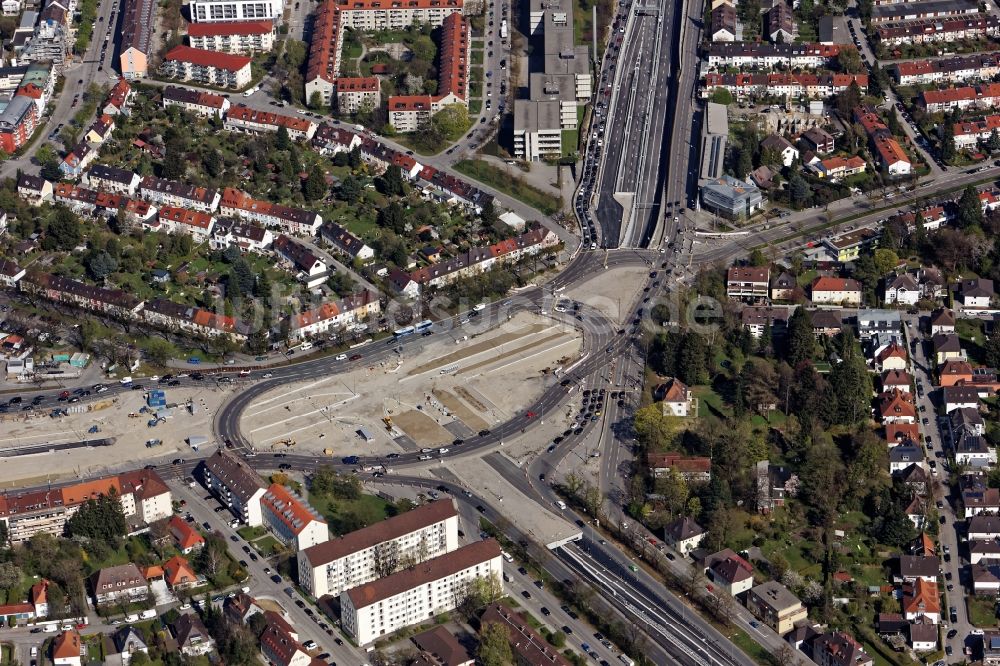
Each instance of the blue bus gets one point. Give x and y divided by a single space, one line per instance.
424 325
403 332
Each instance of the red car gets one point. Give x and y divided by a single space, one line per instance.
531 415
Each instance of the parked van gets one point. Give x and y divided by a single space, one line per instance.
561 504
50 628
507 556
126 380
306 345
147 614
131 618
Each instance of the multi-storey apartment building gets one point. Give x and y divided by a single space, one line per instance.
372 552
207 11
291 519
236 37
418 593
222 70
236 485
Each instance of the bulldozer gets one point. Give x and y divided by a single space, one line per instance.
388 422
286 442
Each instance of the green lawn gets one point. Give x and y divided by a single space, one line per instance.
510 184
267 546
570 142
475 107
364 511
477 57
250 533
982 611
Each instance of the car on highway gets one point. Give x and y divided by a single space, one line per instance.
340 357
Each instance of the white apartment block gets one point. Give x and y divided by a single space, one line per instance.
378 15
291 519
204 11
236 485
364 555
417 594
241 38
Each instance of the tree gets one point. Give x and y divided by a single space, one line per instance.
850 382
674 490
10 575
849 98
993 143
350 189
494 645
392 182
314 187
100 519
970 210
799 191
692 362
489 213
948 150
316 101
100 264
993 348
885 261
654 430
212 161
174 165
849 61
801 339
452 121
757 258
158 351
392 217
63 230
282 140
744 162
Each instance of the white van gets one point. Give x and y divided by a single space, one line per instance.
50 628
126 380
305 346
625 659
507 556
147 614
131 618
479 306
561 504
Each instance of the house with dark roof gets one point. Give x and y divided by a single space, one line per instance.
120 583
901 290
439 647
346 243
528 646
911 567
783 287
947 346
683 535
975 292
191 635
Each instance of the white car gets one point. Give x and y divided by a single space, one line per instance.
341 357
309 645
443 449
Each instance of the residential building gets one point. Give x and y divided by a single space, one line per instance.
818 140
213 68
891 155
236 37
295 221
775 606
836 169
921 598
250 121
113 302
187 537
986 95
191 635
34 189
227 11
247 237
780 24
375 15
127 643
119 99
279 643
984 528
904 455
723 26
196 101
415 594
976 292
346 243
173 219
991 647
683 535
10 273
676 398
192 320
781 146
731 198
930 31
947 346
240 607
884 12
837 648
847 246
901 290
310 269
691 468
942 321
732 573
119 584
165 192
896 380
527 645
836 291
761 55
912 567
361 556
138 21
292 519
747 282
66 649
178 574
334 315
236 485
112 179
333 139
357 93
439 647
954 69
974 452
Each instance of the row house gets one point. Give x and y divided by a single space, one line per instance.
79 199
931 219
690 468
323 65
835 291
113 302
929 9
182 195
758 55
331 316
478 260
932 31
295 221
377 15
247 237
955 69
173 219
816 86
891 155
112 179
198 102
312 270
982 96
969 133
78 159
346 243
250 121
333 139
